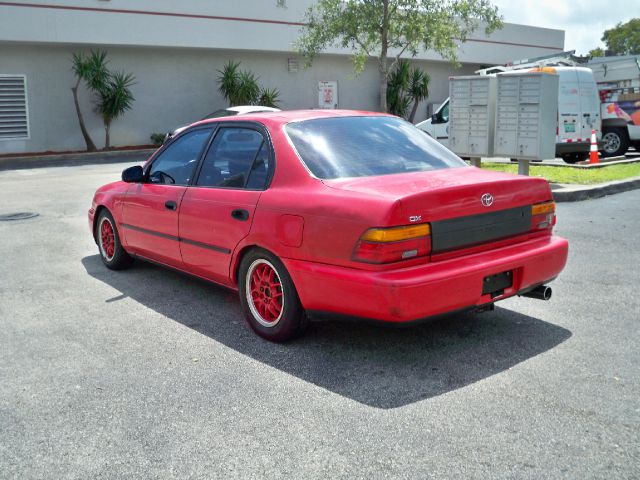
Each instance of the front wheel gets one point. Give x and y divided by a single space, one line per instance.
269 298
111 252
616 142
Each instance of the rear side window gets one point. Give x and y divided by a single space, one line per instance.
237 158
176 164
341 147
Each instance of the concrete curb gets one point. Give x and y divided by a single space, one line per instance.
576 193
72 159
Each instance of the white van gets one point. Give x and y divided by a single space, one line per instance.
578 114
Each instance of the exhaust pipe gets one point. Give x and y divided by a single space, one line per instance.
541 292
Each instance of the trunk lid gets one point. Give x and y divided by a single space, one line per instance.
452 201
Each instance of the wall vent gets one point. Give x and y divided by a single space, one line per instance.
292 65
14 115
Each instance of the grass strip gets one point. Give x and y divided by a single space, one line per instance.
580 176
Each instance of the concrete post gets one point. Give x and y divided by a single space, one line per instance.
523 167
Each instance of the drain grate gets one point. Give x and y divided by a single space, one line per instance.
7 217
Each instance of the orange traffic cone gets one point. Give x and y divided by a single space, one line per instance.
594 156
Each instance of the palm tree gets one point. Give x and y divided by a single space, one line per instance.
397 100
248 92
228 81
418 89
91 69
115 98
270 97
406 85
242 87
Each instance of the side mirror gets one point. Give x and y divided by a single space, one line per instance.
435 118
133 174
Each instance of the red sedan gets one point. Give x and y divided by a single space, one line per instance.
348 213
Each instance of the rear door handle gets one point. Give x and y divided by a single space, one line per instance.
170 205
240 214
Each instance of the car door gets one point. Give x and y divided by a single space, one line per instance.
217 210
150 209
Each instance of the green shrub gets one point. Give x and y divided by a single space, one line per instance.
158 138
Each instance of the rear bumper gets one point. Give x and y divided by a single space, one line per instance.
413 293
575 147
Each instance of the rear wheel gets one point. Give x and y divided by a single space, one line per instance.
616 141
269 298
111 251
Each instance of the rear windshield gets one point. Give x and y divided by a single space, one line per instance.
341 147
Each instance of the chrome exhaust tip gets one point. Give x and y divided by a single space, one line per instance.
541 292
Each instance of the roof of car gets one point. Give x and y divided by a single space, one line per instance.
288 116
251 109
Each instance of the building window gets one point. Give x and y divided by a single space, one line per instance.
14 116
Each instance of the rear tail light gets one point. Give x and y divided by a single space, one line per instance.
543 216
386 245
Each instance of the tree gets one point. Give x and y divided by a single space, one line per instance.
388 29
418 89
406 85
624 38
242 87
269 97
115 98
91 69
596 52
398 83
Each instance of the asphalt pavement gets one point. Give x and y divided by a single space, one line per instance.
148 373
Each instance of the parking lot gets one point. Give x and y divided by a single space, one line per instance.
147 373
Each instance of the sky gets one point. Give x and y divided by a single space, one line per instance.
583 21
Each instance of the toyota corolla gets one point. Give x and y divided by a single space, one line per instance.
344 213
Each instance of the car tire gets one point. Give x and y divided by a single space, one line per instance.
111 252
269 298
616 142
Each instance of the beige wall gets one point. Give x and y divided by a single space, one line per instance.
175 87
223 24
174 49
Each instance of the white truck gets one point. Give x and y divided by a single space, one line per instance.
578 111
618 79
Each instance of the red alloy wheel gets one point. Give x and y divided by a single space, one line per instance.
107 239
264 293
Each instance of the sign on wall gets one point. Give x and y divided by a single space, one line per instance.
327 94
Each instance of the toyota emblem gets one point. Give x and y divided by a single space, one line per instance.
487 199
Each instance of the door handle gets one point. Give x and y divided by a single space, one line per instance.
240 214
170 205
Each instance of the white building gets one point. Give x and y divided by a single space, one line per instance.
174 49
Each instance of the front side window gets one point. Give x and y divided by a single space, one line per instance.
176 164
237 158
341 147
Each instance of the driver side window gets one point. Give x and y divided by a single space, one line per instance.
176 164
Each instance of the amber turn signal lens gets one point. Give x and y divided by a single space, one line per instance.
396 234
543 208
